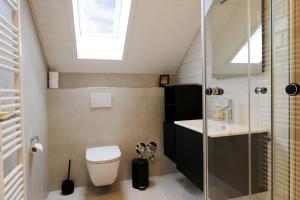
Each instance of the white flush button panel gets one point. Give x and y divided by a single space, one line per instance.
101 100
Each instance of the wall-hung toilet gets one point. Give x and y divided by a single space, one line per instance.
103 164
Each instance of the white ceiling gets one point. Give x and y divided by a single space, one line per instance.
159 34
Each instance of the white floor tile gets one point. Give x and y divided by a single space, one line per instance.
169 187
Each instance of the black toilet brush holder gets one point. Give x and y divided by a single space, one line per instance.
67 187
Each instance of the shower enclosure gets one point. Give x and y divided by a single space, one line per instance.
251 122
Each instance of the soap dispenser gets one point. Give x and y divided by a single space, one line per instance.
218 113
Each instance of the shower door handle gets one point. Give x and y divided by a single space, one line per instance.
214 91
262 90
292 89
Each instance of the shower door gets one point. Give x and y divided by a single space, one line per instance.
251 76
237 78
286 80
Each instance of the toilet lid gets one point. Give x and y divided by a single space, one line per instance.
103 154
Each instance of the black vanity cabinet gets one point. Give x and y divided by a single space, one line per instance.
189 152
182 102
228 163
170 141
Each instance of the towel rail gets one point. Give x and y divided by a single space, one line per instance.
20 196
10 121
11 144
12 5
14 98
13 41
9 46
12 174
15 2
10 137
11 54
9 185
8 30
8 106
13 185
11 26
16 186
17 193
10 61
11 129
13 150
10 91
17 112
9 68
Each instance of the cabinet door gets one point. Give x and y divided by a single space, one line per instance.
189 102
170 141
189 154
229 165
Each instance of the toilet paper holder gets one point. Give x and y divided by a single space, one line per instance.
34 140
35 145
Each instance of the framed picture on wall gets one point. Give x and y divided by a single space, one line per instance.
164 80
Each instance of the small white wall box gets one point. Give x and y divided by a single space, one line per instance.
53 80
101 100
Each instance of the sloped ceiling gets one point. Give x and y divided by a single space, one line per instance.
159 34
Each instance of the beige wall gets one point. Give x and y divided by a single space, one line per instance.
136 116
78 80
34 82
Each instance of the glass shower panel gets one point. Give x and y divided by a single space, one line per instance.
260 101
286 103
227 101
238 98
252 84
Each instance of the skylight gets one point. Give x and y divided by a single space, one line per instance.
101 27
255 50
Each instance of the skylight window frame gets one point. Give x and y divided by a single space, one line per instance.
102 47
117 16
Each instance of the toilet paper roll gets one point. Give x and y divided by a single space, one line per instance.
37 148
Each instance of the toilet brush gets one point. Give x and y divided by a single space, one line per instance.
68 185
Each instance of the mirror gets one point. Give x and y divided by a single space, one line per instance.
231 31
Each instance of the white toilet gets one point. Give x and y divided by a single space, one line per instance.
103 164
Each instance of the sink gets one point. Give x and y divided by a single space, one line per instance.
223 126
219 128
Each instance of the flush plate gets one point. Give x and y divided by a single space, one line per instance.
101 100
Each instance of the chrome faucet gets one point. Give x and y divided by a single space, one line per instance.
229 109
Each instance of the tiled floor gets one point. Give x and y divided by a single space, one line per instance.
168 187
259 196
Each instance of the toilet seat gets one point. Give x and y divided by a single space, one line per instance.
103 155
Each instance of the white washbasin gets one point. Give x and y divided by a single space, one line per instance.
219 128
